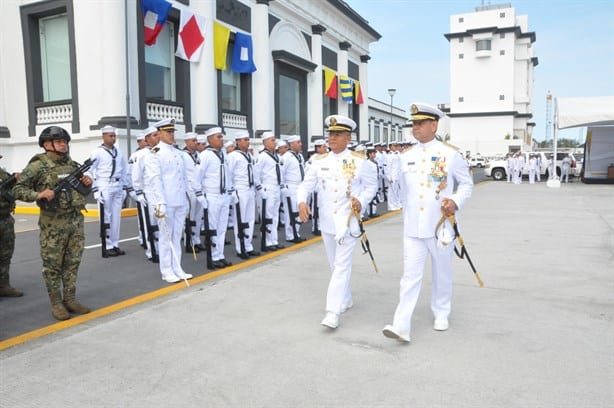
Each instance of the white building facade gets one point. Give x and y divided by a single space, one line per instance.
491 80
83 65
386 123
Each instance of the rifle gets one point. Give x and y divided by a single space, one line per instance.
141 222
189 242
151 235
292 217
208 243
316 214
104 226
5 190
264 221
67 184
241 226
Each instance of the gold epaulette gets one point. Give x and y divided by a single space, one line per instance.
154 150
359 154
451 145
320 156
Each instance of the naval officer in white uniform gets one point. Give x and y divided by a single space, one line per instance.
345 183
427 175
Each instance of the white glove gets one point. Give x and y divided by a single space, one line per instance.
141 199
203 201
133 195
234 197
98 196
265 195
160 211
124 194
444 237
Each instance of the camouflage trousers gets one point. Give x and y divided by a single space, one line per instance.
61 238
7 246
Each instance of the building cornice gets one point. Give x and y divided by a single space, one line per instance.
494 30
515 114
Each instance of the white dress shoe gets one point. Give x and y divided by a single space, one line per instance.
347 306
441 324
331 320
171 279
184 275
392 333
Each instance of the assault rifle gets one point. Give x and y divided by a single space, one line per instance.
241 226
209 234
67 184
5 189
264 221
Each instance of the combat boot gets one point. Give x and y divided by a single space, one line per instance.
71 303
57 308
6 290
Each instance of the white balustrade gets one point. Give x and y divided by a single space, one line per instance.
233 120
54 114
158 111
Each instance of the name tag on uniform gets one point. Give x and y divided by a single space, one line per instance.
325 168
411 163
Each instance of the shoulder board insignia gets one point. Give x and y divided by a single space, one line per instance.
450 145
320 156
154 149
358 154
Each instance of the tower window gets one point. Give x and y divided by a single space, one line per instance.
501 97
502 52
461 56
482 45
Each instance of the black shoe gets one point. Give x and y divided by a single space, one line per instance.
111 252
297 240
155 259
226 242
199 247
280 246
253 253
225 262
316 233
119 251
144 246
270 248
243 255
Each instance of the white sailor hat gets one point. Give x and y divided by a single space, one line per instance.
319 142
140 136
108 129
229 143
201 139
281 143
165 124
150 130
360 148
241 134
424 111
213 131
190 136
336 123
267 135
293 138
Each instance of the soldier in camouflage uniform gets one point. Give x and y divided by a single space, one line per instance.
61 230
7 236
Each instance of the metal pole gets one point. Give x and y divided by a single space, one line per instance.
129 149
391 92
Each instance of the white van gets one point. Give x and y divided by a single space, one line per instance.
497 169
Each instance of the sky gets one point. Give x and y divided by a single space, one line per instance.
574 46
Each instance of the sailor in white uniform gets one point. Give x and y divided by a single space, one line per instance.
166 188
293 172
110 186
428 174
345 184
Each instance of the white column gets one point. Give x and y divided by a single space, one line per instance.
316 88
364 108
203 75
113 60
262 80
342 69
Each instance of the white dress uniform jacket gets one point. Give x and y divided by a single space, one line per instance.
241 171
268 179
293 172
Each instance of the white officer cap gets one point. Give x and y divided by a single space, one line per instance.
424 111
335 123
320 142
213 131
267 135
241 134
190 135
165 124
150 130
108 129
293 138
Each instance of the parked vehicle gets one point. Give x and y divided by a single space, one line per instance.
497 169
477 162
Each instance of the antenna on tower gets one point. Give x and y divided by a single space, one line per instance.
548 133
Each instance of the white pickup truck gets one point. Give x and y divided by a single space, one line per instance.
497 169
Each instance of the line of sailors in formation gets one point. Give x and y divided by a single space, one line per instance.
210 185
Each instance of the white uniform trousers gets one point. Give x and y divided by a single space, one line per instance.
196 217
170 234
532 176
272 213
287 225
340 262
510 172
113 196
394 198
247 198
415 251
218 221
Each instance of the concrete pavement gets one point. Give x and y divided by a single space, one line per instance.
540 333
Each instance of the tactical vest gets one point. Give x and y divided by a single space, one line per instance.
49 172
5 206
